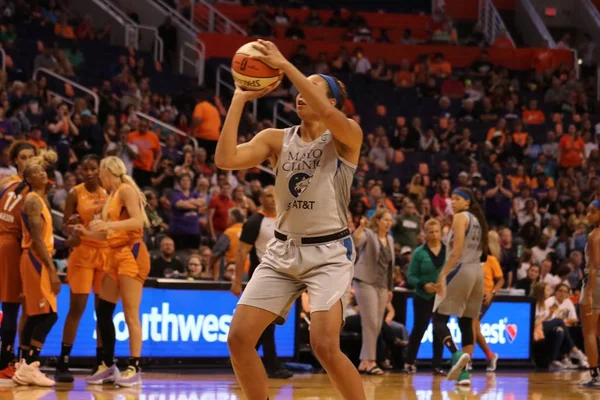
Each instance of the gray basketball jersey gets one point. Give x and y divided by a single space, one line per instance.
471 253
312 186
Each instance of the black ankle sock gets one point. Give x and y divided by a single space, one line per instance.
594 372
99 355
33 354
65 353
134 362
22 353
449 343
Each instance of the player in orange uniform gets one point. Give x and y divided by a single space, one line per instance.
86 261
122 224
41 283
12 193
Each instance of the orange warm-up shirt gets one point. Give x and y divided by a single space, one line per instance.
210 121
147 144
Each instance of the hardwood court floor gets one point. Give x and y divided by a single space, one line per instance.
205 386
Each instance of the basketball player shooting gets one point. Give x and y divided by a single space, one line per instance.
315 164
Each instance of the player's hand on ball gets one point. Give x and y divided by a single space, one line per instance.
271 54
249 95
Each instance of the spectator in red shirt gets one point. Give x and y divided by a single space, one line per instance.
218 210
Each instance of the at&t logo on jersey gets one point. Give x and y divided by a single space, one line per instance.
500 332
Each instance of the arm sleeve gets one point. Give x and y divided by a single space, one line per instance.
251 229
414 268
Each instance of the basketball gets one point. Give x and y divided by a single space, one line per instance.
250 73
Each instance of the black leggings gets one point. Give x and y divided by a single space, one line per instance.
558 338
267 341
423 309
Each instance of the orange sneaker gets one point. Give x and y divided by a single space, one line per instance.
6 375
8 372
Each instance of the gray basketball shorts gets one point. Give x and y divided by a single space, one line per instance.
464 292
288 269
595 296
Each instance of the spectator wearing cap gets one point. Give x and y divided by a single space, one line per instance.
184 226
405 256
149 154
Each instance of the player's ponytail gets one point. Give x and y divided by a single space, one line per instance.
116 167
475 209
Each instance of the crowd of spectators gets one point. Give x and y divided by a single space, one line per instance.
535 193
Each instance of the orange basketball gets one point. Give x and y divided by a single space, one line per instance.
250 73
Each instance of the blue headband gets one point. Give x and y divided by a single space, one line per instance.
462 194
335 90
595 203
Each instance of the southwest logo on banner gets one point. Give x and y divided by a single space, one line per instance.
505 327
175 323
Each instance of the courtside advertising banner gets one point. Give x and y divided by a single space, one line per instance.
175 323
506 328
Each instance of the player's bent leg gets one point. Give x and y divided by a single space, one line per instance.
246 327
325 342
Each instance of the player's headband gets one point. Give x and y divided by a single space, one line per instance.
462 194
335 90
596 204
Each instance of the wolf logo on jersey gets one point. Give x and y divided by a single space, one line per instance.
299 183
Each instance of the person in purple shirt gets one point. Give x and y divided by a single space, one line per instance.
184 226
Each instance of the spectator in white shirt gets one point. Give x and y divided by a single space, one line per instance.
540 251
560 306
529 214
547 277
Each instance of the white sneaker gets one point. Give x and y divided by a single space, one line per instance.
38 378
492 363
31 375
568 364
578 355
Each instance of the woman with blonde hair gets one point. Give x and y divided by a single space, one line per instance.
373 282
425 265
122 225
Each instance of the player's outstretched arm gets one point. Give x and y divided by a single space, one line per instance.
229 155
